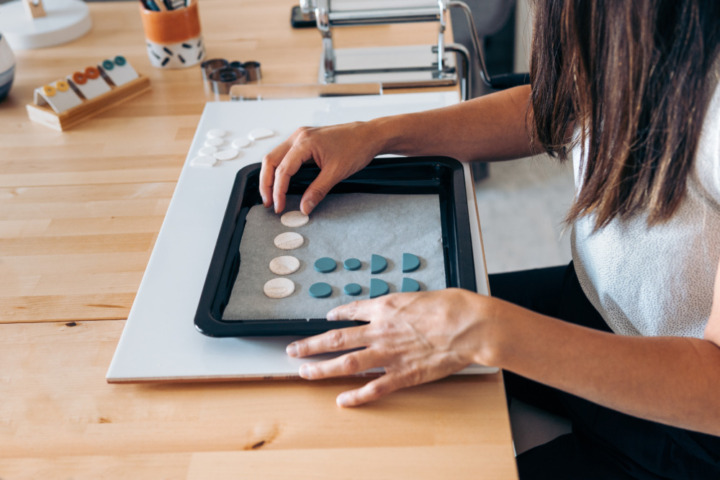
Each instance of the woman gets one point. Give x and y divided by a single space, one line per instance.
625 340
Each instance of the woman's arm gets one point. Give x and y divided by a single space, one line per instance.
492 127
670 380
422 337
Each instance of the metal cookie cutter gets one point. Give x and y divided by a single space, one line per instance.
223 78
206 68
231 74
209 66
253 69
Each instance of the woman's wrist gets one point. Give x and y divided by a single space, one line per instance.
494 324
477 322
386 133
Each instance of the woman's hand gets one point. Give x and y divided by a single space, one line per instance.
491 127
339 151
415 337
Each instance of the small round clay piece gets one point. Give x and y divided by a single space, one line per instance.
289 241
352 289
294 219
260 133
241 142
208 150
284 265
214 142
216 133
320 290
352 264
226 154
325 265
202 161
279 288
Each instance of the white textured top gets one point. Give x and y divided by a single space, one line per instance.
658 281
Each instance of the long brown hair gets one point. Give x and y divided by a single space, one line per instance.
633 75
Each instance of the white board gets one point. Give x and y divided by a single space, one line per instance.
160 342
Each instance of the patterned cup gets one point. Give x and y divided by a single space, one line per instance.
173 37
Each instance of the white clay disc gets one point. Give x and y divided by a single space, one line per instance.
241 142
207 151
260 133
294 219
214 142
279 287
289 241
216 133
202 161
284 265
226 154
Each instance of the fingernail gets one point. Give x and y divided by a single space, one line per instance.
306 371
343 400
332 315
309 206
291 350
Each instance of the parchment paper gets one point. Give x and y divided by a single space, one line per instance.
342 226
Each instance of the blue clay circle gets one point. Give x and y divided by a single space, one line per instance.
352 264
352 289
325 265
320 290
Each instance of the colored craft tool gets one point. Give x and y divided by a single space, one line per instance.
150 5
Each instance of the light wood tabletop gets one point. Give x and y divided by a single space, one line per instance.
79 215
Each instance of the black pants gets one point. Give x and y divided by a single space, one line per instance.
604 444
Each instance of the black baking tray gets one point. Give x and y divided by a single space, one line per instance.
416 175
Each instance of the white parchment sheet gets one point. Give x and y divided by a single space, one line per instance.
353 225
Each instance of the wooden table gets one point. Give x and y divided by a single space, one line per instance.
79 214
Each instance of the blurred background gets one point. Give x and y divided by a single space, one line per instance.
523 202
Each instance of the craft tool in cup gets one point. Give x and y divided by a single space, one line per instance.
173 37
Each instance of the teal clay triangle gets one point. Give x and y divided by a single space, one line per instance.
378 264
378 288
410 285
410 262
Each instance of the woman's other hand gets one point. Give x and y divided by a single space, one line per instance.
415 337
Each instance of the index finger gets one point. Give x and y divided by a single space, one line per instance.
289 166
337 340
267 170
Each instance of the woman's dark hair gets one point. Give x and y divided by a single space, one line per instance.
633 76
